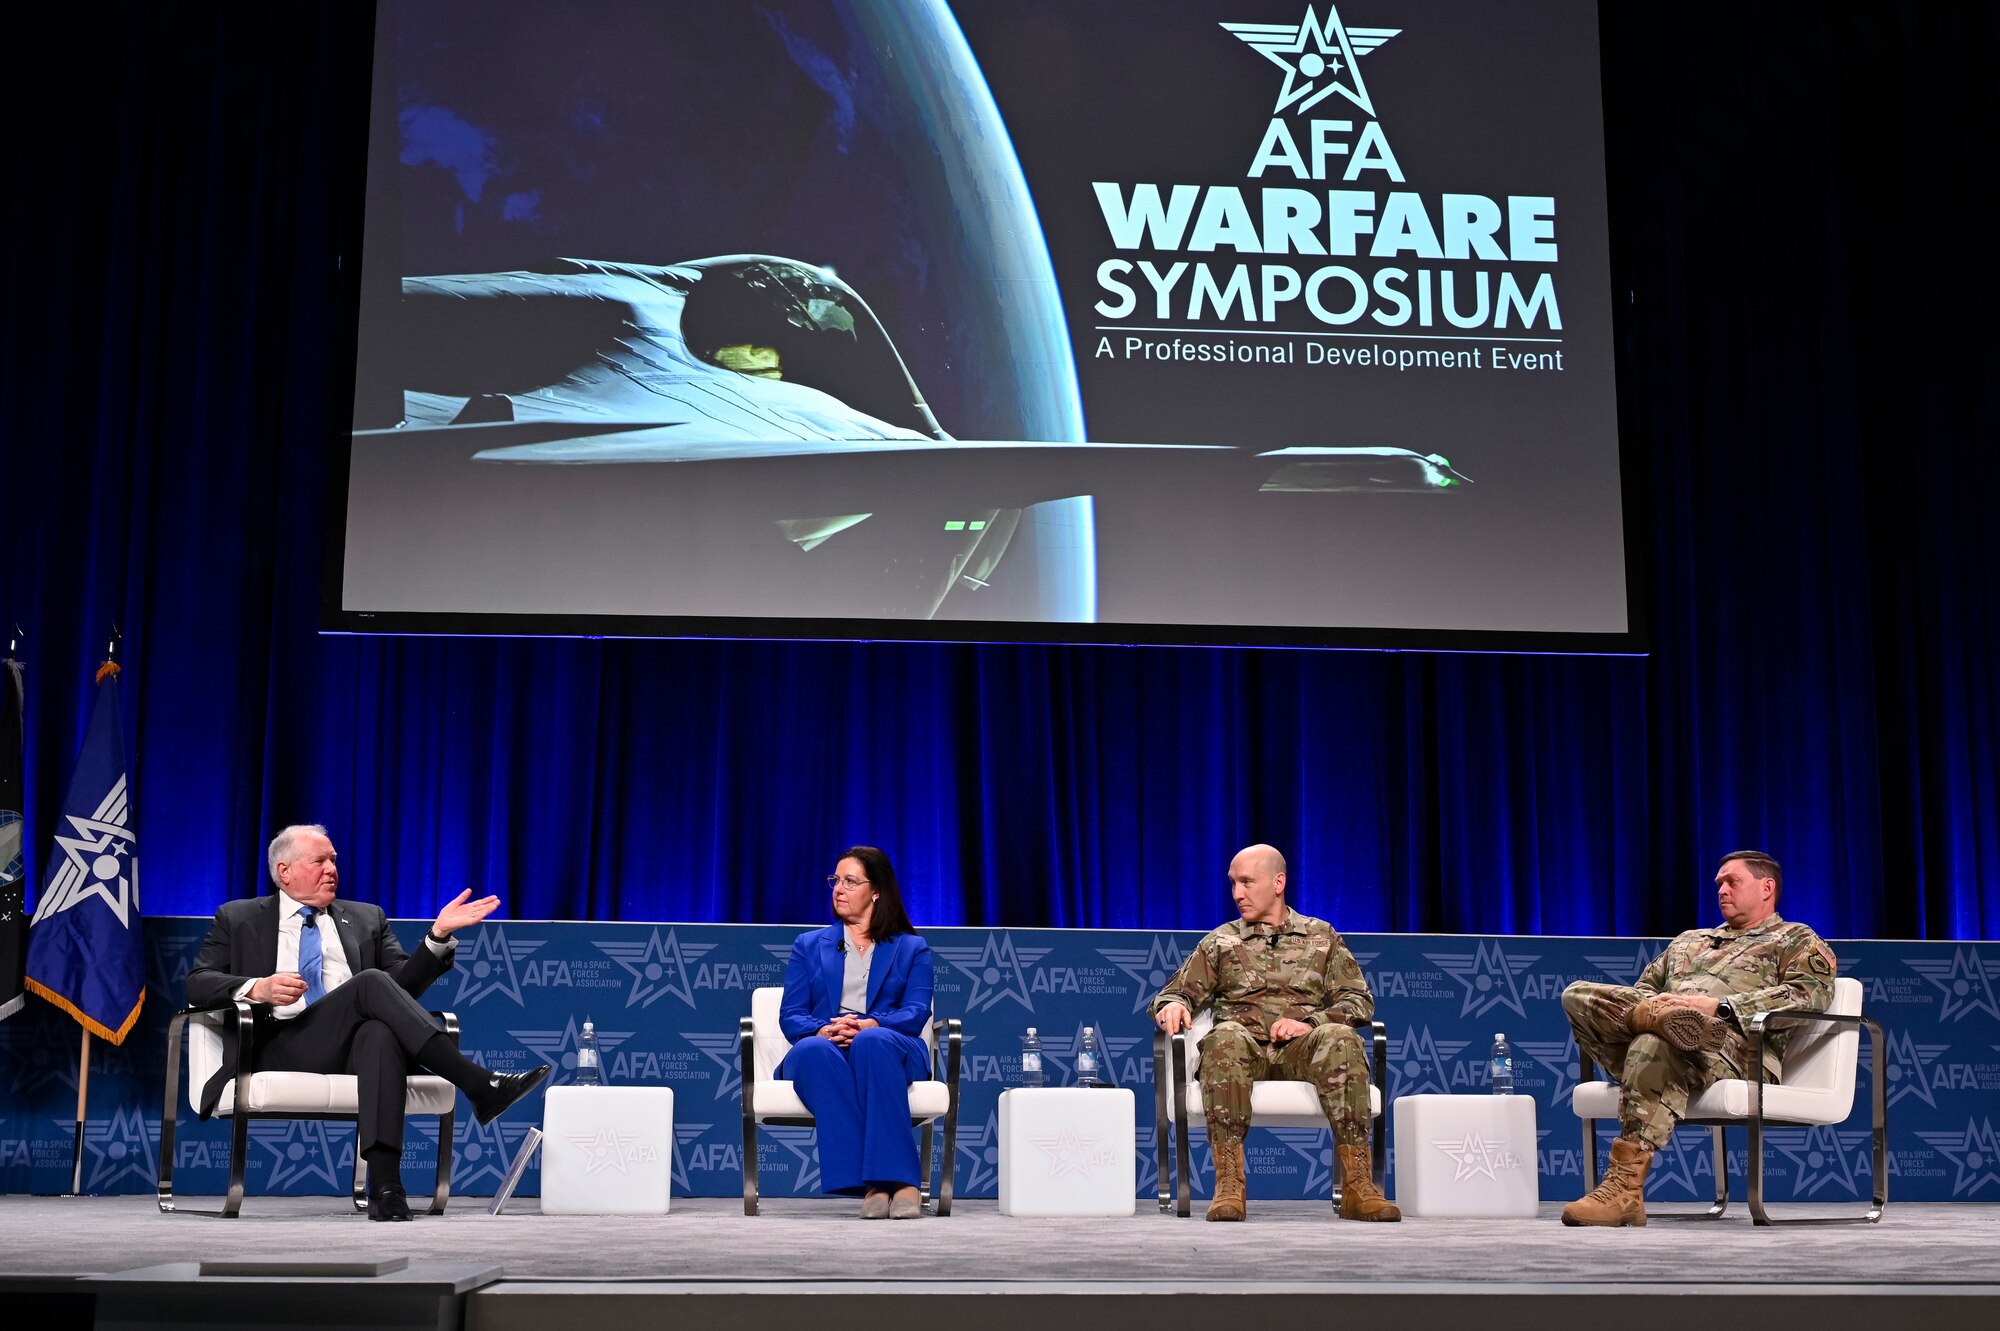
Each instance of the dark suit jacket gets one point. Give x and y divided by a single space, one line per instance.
242 945
899 983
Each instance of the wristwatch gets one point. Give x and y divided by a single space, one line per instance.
1726 1012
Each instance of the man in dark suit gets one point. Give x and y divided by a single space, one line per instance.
335 993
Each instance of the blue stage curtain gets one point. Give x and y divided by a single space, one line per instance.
1809 382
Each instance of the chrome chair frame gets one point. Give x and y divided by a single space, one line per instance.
946 1058
1170 1054
1753 1047
239 1025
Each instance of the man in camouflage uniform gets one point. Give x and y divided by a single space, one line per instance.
1285 991
1680 1027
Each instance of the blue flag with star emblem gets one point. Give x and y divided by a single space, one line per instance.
85 952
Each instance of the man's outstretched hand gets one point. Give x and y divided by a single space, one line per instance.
461 910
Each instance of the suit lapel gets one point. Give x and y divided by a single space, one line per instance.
263 948
832 966
885 961
344 929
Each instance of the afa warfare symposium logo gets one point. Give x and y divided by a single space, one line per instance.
1326 232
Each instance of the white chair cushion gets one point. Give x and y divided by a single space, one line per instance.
778 1099
292 1092
314 1093
1731 1099
1279 1104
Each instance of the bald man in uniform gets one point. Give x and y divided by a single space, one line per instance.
1286 993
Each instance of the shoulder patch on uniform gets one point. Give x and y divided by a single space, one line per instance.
1821 961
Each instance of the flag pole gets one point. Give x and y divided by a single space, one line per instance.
83 1053
82 1095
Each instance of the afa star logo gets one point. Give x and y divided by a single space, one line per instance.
101 859
608 1149
979 1148
486 962
1909 1070
1060 1050
1149 968
558 1048
125 1146
997 970
1315 1147
1320 58
1685 1165
1145 1162
1069 1154
1625 967
45 1057
1488 975
798 1143
1976 1152
304 1150
720 1048
170 954
480 1151
683 1134
1825 1159
658 966
1966 983
1476 1156
1417 1064
1560 1058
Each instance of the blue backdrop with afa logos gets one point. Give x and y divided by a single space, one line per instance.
666 999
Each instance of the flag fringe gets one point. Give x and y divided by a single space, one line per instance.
109 670
86 1021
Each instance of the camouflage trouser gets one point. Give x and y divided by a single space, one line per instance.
1330 1057
1655 1079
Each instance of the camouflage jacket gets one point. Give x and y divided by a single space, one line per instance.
1257 973
1773 964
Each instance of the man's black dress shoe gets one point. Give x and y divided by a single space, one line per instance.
504 1088
389 1203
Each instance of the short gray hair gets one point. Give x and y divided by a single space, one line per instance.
280 849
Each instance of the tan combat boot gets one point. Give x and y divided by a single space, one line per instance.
1682 1027
1228 1203
1620 1198
1360 1199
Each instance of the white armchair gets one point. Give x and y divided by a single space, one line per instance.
209 1032
1818 1089
763 1046
1273 1104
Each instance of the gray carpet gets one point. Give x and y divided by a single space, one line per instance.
711 1239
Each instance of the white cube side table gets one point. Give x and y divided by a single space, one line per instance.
1067 1151
607 1150
1467 1155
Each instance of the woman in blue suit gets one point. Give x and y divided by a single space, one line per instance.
857 996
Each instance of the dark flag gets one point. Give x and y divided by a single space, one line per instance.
84 946
13 842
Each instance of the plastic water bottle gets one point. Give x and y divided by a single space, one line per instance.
589 1067
1031 1059
1089 1059
1503 1065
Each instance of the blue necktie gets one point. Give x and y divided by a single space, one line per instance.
309 955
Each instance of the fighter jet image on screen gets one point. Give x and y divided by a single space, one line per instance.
733 436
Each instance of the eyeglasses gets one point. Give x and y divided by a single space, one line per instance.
844 880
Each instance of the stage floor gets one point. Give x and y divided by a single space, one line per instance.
1294 1244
